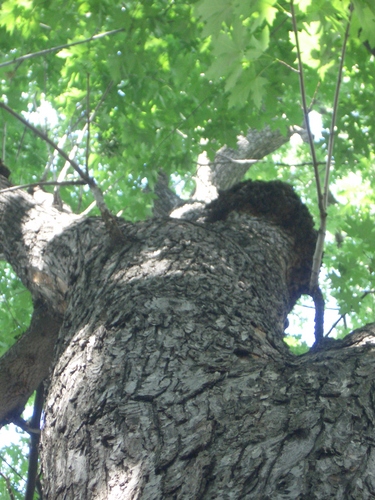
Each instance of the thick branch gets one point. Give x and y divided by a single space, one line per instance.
27 363
166 200
230 165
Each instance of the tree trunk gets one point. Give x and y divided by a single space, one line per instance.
170 377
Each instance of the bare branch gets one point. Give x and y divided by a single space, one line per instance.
43 183
34 443
3 150
287 65
109 219
306 110
343 315
314 291
8 485
45 138
239 162
335 109
59 47
318 255
88 123
73 151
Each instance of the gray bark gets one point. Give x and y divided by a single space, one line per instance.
170 377
230 165
227 169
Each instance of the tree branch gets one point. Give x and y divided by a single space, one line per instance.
230 165
314 289
322 197
45 138
81 134
8 485
27 362
34 443
109 219
306 110
43 183
335 109
317 260
59 47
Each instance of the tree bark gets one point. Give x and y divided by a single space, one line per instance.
170 377
230 165
227 169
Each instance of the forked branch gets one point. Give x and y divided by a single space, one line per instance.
322 195
108 217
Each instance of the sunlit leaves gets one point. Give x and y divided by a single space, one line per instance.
240 37
365 12
214 14
13 465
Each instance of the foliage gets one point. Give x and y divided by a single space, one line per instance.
16 307
296 345
172 76
13 466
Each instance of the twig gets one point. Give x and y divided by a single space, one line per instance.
34 444
60 47
15 472
43 183
88 123
181 122
8 485
335 109
73 151
318 255
241 162
306 110
287 65
302 164
342 316
314 97
45 138
3 149
314 289
20 143
109 219
52 157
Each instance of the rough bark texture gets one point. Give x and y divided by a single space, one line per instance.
171 379
166 200
24 366
227 170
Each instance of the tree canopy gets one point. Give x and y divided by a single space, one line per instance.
132 89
